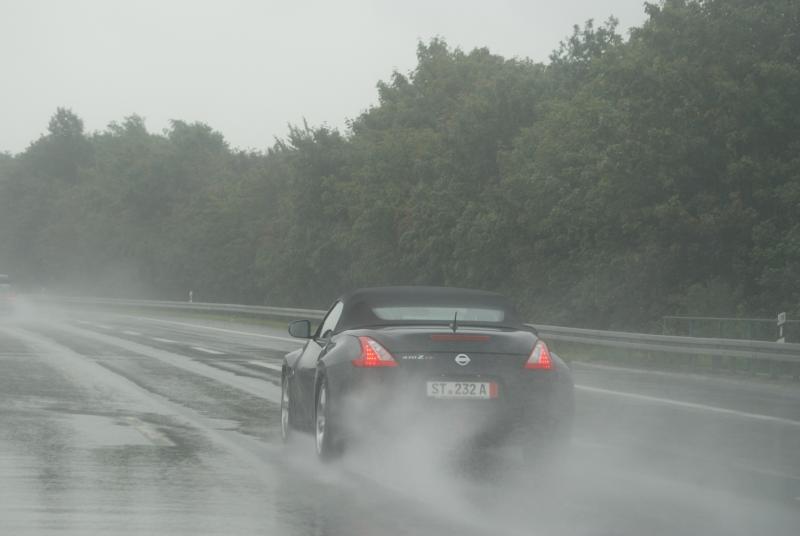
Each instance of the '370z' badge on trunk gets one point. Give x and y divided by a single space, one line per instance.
463 359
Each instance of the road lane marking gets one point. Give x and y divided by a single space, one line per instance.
207 350
270 366
686 405
579 387
168 341
254 386
222 330
132 333
149 432
245 449
94 324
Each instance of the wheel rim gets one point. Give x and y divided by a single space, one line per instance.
285 408
322 400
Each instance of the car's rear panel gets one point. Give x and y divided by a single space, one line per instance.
495 357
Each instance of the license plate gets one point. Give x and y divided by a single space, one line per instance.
462 389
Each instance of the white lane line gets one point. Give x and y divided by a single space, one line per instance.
246 450
168 341
207 350
101 326
686 405
132 333
597 390
256 387
271 366
149 432
222 330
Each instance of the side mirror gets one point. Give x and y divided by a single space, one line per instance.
300 329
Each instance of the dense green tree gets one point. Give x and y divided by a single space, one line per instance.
626 179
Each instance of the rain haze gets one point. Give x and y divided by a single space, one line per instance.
400 268
247 68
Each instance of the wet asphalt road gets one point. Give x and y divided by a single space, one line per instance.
144 424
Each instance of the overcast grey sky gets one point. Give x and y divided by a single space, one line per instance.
246 67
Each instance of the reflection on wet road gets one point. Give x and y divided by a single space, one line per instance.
119 424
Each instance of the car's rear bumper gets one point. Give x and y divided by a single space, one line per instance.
525 406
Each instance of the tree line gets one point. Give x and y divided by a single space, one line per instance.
624 179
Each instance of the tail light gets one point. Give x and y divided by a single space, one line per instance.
373 355
540 357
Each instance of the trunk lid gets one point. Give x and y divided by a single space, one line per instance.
469 352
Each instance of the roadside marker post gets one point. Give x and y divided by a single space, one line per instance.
781 339
781 324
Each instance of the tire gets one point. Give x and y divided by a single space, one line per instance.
286 409
325 438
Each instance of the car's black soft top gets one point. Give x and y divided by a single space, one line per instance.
359 304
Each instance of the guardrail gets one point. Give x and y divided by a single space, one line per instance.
734 348
779 357
751 329
255 310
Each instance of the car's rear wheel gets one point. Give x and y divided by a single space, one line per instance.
324 426
286 404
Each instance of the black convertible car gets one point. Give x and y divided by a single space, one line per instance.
459 357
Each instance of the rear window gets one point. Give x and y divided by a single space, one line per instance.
439 314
